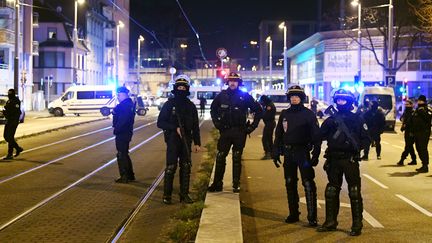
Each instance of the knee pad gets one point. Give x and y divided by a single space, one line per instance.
237 156
186 167
354 192
220 157
331 191
290 183
170 170
309 185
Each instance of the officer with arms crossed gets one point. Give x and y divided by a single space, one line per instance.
229 111
179 120
123 120
346 134
296 133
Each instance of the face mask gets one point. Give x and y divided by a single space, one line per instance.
181 93
10 96
346 107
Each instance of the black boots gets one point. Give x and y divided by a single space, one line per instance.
185 171
293 201
266 156
168 183
18 151
412 162
236 170
356 210
423 169
311 202
332 209
217 185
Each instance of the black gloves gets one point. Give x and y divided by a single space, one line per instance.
250 129
277 162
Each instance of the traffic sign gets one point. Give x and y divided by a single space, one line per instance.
390 80
221 53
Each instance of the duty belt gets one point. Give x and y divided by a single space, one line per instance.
340 155
294 146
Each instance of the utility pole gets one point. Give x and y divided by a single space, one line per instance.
17 34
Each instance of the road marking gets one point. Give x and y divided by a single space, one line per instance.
375 181
424 211
303 200
397 146
384 142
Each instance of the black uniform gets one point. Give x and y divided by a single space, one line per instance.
12 112
123 120
342 156
375 121
407 128
297 132
269 126
229 111
178 150
421 121
203 103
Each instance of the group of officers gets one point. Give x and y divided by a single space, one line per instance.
298 139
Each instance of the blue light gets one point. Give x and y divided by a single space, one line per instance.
401 89
244 89
218 81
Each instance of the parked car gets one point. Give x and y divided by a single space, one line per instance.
3 100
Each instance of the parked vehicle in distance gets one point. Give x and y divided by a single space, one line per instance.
160 101
3 100
84 99
279 98
385 96
208 92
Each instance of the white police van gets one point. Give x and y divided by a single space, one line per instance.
279 98
208 92
385 96
84 99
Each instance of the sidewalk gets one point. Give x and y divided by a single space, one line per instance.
37 122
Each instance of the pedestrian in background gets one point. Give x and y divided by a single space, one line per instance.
314 105
421 121
346 134
297 132
269 125
123 121
203 103
407 129
229 112
375 121
12 113
179 120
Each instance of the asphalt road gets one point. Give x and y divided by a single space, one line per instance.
397 200
62 189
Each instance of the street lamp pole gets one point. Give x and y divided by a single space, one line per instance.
17 34
269 40
75 43
119 25
390 39
141 38
357 3
283 26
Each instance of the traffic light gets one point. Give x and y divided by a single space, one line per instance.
221 73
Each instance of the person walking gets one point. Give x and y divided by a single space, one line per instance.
229 112
407 129
123 121
179 120
421 120
269 125
12 113
375 121
314 105
296 133
346 134
203 103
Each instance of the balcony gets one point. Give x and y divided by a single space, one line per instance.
6 4
7 36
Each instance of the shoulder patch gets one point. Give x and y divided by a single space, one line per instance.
365 126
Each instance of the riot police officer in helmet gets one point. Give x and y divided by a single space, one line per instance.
297 134
346 134
179 120
229 111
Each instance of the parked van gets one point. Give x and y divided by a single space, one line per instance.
385 96
279 98
84 99
208 92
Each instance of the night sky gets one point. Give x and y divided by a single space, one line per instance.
222 23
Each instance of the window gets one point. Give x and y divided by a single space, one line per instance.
278 98
103 94
413 66
209 95
82 95
52 33
67 96
385 101
51 59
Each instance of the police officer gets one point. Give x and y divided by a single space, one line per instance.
375 121
346 134
229 111
269 125
407 128
421 120
123 121
179 120
296 133
12 112
203 103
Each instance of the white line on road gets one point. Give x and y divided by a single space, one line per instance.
384 142
375 181
424 211
397 146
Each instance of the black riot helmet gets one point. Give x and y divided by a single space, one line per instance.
344 95
296 90
234 77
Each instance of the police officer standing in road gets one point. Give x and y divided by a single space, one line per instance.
297 133
123 121
421 120
179 120
269 125
229 111
407 128
375 121
346 134
203 103
12 112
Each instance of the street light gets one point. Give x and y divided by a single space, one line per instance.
141 38
356 3
119 25
283 26
75 41
269 40
17 33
